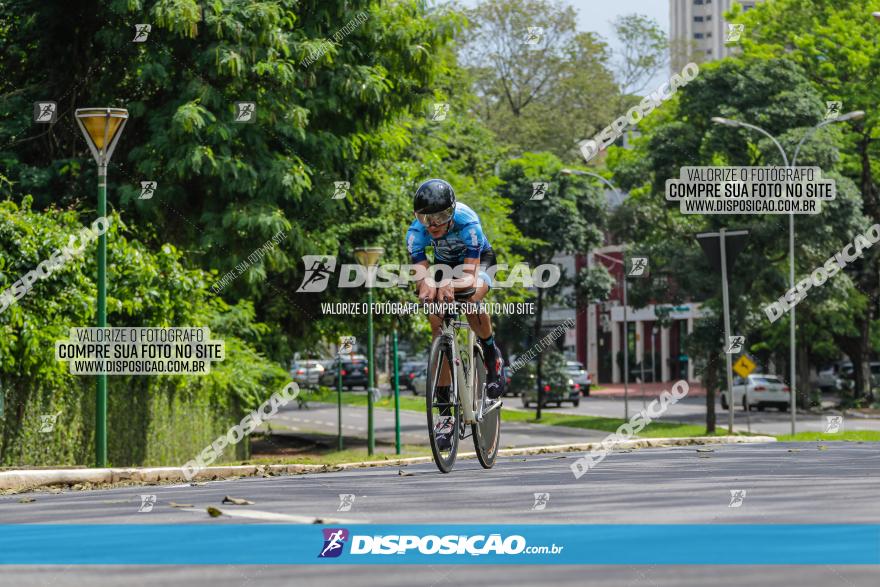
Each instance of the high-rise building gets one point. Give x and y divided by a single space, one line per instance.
698 31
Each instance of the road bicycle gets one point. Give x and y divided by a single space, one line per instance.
468 403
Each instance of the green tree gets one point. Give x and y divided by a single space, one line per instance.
542 92
836 45
774 94
325 76
566 220
151 419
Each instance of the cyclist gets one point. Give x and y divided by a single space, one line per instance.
453 230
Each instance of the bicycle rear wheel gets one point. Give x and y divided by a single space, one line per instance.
440 356
487 433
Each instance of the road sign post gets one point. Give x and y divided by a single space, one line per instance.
722 248
743 367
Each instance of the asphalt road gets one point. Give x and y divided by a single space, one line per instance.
784 483
321 418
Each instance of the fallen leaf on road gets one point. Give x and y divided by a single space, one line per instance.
214 512
403 473
237 501
180 505
26 500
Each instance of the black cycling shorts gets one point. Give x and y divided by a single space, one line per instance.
487 259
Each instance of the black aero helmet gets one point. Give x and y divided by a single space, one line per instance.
434 202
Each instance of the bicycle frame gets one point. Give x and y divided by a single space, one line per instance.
462 380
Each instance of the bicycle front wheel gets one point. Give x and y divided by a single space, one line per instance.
439 408
487 433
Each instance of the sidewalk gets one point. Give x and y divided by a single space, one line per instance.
651 390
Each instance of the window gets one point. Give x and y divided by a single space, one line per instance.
698 35
709 18
698 2
708 51
698 19
708 35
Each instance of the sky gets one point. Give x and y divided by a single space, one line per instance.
596 16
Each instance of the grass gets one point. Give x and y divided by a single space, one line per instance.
417 403
653 430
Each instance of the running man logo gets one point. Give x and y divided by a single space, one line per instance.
148 188
45 112
638 266
334 540
141 32
833 424
541 501
346 345
245 111
539 190
47 422
147 503
833 108
319 268
441 109
346 500
734 32
735 344
737 496
534 34
341 189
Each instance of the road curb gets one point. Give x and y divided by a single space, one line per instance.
25 480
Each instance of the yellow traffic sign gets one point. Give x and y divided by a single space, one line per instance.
744 366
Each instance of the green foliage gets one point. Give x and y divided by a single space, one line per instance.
544 96
777 95
152 420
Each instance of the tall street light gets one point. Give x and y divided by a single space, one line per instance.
369 258
736 123
625 330
102 128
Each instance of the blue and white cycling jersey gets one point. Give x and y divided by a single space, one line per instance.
464 240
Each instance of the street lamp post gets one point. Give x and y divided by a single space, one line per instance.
625 329
737 123
102 128
396 376
369 258
625 335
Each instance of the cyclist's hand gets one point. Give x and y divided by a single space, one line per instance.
446 293
426 293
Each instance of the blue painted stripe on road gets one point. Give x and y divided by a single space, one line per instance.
283 544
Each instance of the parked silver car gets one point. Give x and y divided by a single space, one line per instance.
419 383
580 376
306 372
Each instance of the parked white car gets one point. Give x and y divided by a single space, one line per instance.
759 390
